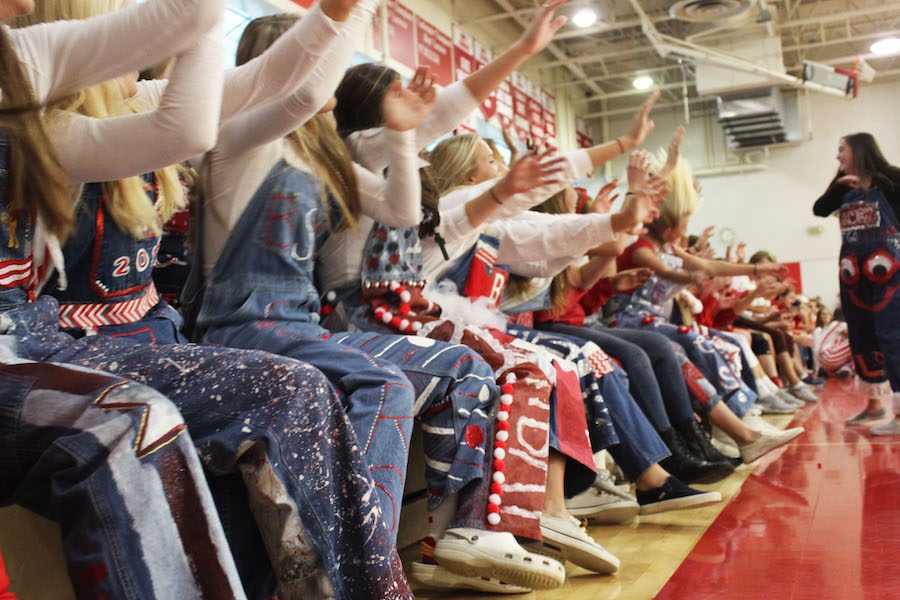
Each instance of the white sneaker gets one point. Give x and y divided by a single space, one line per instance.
759 424
480 553
768 441
722 442
436 576
790 400
608 506
568 537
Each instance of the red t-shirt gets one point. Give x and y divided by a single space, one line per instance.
625 261
579 304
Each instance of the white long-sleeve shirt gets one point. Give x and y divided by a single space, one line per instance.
251 143
183 122
65 56
341 256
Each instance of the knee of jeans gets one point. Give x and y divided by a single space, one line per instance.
400 390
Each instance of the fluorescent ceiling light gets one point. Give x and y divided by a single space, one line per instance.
585 17
886 46
643 82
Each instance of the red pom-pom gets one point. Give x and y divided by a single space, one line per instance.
682 329
404 309
396 322
326 310
493 508
499 465
648 320
496 488
508 388
500 444
503 425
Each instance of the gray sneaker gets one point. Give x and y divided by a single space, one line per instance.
790 400
890 428
773 405
801 391
866 416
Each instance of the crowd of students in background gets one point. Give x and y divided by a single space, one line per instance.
227 298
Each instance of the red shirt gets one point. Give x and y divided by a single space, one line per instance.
625 261
579 304
5 594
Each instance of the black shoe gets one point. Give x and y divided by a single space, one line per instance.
699 443
687 466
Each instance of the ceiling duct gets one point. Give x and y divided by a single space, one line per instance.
762 118
712 12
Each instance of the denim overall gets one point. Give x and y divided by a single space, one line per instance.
617 424
645 310
262 295
394 255
111 289
870 280
275 422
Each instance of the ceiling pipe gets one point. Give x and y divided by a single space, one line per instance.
666 45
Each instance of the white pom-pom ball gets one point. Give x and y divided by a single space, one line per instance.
331 296
404 324
502 435
416 326
499 453
495 499
499 478
405 297
506 399
511 378
494 519
503 415
386 317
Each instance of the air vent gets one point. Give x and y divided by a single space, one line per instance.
755 120
711 11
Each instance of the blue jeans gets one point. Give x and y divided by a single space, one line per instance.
701 352
654 372
274 421
376 396
113 462
639 446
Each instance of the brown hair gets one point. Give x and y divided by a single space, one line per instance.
870 163
34 175
316 140
360 96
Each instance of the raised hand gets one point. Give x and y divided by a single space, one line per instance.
674 152
338 10
639 164
850 180
405 108
541 31
742 252
642 124
605 198
626 281
533 170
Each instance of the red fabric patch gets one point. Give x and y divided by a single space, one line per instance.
474 436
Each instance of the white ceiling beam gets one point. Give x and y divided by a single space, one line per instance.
634 92
841 15
558 54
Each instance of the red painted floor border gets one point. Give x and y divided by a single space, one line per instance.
819 521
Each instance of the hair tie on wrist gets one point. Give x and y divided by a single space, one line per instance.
494 196
621 146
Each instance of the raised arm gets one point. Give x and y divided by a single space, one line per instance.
313 54
183 125
460 99
65 56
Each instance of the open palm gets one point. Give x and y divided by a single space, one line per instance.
405 108
534 170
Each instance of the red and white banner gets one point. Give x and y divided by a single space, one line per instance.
401 34
583 134
434 49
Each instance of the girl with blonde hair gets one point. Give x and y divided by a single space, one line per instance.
649 306
273 422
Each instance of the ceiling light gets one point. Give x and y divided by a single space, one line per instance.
585 17
886 46
644 82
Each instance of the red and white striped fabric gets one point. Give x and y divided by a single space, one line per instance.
15 273
92 316
834 349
